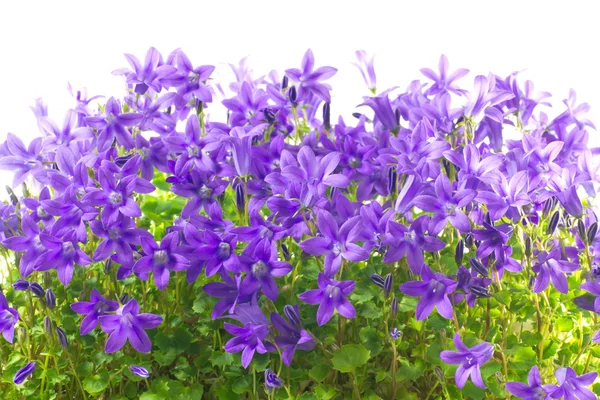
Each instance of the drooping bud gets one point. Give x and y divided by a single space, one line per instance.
48 325
479 291
24 372
292 314
581 231
36 289
528 246
286 252
387 285
108 265
469 240
591 233
21 285
394 308
124 299
392 180
292 95
459 252
553 222
478 267
139 371
50 299
378 280
272 381
62 338
240 198
327 116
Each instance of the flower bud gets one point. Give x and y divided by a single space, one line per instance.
479 291
487 219
396 333
284 83
459 252
24 372
272 381
446 166
531 282
548 206
36 289
269 115
108 266
553 222
48 325
392 180
62 338
528 247
292 95
139 371
478 267
120 161
499 377
394 307
439 373
50 299
21 285
397 115
286 252
124 299
468 240
327 116
387 285
377 280
581 231
13 197
591 233
240 198
291 312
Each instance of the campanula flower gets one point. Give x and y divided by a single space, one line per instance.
93 310
469 361
331 295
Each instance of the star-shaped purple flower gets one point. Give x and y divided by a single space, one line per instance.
435 289
469 361
93 310
331 295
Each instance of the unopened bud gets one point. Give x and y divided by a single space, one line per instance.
591 233
124 299
394 308
478 267
50 299
392 180
292 314
48 325
108 266
269 115
292 95
548 206
327 116
581 231
286 252
459 252
439 373
284 83
62 338
469 240
553 222
36 289
387 285
378 280
479 291
240 198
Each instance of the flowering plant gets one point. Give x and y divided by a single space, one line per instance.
152 252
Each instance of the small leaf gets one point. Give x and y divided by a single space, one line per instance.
350 357
97 383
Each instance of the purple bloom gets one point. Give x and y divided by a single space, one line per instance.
396 333
272 381
336 243
331 295
22 161
261 264
308 79
571 387
30 244
129 324
292 336
435 289
384 113
61 255
446 206
471 164
506 197
365 66
469 361
149 75
248 339
201 190
114 125
550 266
534 390
228 292
24 372
93 310
139 371
161 259
410 242
492 239
443 82
8 319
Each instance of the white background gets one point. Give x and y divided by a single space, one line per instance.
44 45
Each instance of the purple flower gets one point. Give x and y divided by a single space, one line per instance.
308 79
139 371
24 372
30 244
292 336
272 381
129 324
493 238
396 333
161 259
534 390
201 190
261 264
471 164
114 125
384 113
571 387
469 361
331 295
93 310
22 161
365 66
550 266
248 339
506 197
446 206
8 319
410 242
435 289
336 243
61 255
443 83
149 75
228 292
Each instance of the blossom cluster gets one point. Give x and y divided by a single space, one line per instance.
458 198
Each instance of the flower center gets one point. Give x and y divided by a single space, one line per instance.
115 198
332 291
114 234
223 251
259 269
160 256
542 167
68 248
354 162
450 209
41 212
204 192
193 150
337 248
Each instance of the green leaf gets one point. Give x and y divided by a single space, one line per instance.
350 357
240 385
564 324
97 383
319 372
221 358
369 311
524 359
178 341
371 340
407 303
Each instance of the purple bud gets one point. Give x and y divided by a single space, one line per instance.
292 95
499 377
327 116
439 373
272 381
269 115
108 264
284 83
553 222
36 289
124 299
591 233
392 180
13 198
394 307
478 267
459 252
139 371
479 291
141 88
469 240
240 197
446 165
291 312
487 219
286 252
48 325
50 299
528 247
21 285
396 333
387 285
581 230
377 280
548 206
62 338
120 161
24 372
